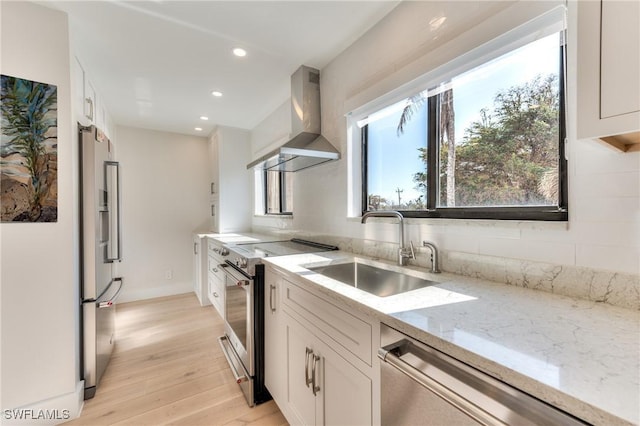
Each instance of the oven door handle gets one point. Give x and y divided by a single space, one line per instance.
240 281
228 354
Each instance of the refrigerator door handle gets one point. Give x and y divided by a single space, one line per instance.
112 299
112 185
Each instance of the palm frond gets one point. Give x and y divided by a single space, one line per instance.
414 103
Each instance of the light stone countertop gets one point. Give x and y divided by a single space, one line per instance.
580 356
240 237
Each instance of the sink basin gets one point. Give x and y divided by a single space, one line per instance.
377 281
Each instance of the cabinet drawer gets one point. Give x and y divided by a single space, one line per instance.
349 331
215 268
213 248
216 293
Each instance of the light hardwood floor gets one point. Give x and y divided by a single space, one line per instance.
168 369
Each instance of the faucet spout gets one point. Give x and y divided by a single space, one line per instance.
403 252
434 256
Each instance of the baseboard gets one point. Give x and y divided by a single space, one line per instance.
52 411
130 294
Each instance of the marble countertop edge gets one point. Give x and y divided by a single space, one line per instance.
548 325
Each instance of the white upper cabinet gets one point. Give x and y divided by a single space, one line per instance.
77 73
609 72
620 61
88 110
230 187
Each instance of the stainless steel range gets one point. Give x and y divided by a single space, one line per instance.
243 341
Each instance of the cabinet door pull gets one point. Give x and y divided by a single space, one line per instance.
195 248
215 294
307 379
314 387
272 290
90 114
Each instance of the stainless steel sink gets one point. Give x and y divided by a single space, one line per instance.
377 281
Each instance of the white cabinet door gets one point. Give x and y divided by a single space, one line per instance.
197 267
323 388
608 65
620 58
78 92
301 402
231 202
346 392
200 284
89 101
275 353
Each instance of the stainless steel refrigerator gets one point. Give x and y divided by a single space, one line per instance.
100 251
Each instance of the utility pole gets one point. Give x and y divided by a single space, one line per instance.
399 191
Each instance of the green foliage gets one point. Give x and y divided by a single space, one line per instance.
509 157
25 107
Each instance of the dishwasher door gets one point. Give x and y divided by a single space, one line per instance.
422 386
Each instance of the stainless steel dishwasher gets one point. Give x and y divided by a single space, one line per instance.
423 386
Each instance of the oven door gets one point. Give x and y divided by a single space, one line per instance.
239 315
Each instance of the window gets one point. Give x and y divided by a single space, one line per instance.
278 192
484 143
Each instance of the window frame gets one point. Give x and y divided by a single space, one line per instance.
282 178
518 213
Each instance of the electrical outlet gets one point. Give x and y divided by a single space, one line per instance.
168 274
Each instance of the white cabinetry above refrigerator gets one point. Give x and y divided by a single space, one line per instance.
88 108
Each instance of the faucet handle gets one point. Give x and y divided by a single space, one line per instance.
413 253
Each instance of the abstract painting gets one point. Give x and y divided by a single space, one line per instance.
28 151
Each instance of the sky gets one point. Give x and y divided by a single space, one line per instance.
394 160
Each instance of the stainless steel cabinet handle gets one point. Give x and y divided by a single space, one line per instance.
195 248
272 290
314 387
386 354
215 294
90 114
307 379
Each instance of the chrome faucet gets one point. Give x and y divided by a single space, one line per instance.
404 253
434 256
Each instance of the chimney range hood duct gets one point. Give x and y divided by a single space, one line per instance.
307 147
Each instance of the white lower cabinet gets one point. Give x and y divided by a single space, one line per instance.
200 269
215 279
322 387
275 354
312 367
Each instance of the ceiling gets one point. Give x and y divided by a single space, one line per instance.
155 63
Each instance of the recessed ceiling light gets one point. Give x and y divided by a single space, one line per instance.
216 93
198 129
202 117
239 52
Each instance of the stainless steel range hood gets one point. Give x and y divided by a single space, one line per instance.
307 147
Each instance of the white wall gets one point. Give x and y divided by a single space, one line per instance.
39 275
165 190
603 231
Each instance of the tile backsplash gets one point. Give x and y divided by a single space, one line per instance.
614 288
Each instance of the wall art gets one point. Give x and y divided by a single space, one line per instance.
28 151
